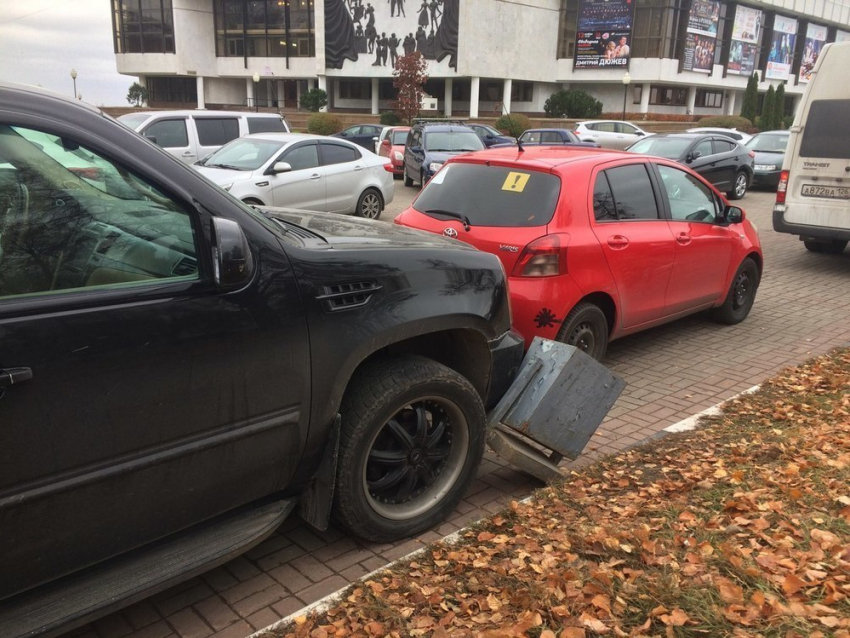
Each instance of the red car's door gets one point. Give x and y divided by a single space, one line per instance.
636 240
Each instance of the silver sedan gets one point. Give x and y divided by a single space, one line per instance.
302 171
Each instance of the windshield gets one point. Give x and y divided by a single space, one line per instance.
503 196
668 147
243 154
768 143
452 141
399 138
134 120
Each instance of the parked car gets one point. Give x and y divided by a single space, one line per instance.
192 135
391 146
553 137
735 134
490 136
609 133
769 148
596 244
313 172
364 135
430 144
180 370
723 162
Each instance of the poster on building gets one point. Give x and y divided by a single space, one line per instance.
842 36
699 53
815 39
744 45
781 48
704 17
702 33
604 34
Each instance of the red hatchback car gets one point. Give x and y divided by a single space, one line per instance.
391 145
597 244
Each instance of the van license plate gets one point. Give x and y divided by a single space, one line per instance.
831 192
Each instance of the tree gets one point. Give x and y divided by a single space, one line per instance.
749 107
314 100
137 95
779 107
768 108
409 77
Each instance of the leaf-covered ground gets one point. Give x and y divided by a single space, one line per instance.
741 528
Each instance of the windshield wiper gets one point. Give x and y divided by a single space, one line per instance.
227 166
450 213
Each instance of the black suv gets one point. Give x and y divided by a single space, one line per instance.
431 143
178 370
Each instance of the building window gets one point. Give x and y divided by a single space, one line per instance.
637 92
264 28
142 26
522 91
490 91
658 28
386 90
355 89
667 95
568 23
172 91
461 91
709 99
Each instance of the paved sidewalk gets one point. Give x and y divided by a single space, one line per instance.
674 371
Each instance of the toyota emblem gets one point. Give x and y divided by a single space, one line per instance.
450 232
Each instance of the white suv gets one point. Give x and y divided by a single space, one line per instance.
609 133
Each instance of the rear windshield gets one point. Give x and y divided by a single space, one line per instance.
826 130
399 138
266 125
491 195
768 143
452 141
669 147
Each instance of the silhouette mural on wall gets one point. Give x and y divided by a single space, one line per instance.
354 28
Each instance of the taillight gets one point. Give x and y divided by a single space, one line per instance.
544 257
782 187
388 167
752 154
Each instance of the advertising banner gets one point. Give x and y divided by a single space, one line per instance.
744 46
815 39
604 34
702 33
842 36
699 53
703 17
781 48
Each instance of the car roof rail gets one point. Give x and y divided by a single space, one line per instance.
437 120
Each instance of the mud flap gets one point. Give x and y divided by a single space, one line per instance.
557 401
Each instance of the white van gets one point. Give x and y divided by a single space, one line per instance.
192 135
813 197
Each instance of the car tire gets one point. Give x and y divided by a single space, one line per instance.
407 181
412 439
586 328
370 204
742 182
742 293
834 247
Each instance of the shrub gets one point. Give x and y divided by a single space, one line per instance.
314 100
513 124
389 118
787 121
573 104
727 121
324 124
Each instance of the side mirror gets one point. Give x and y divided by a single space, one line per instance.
640 133
279 167
375 139
152 138
233 262
386 143
692 156
733 215
489 136
415 149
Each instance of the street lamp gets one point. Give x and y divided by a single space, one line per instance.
74 78
626 81
79 96
256 88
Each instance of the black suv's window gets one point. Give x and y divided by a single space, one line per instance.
216 131
266 125
71 218
633 193
452 141
169 133
338 154
502 196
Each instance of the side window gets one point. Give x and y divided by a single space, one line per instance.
73 219
168 133
607 127
266 125
302 157
603 200
353 130
703 148
633 194
216 131
690 199
338 154
591 127
550 138
628 129
723 146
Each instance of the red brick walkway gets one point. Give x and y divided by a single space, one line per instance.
802 309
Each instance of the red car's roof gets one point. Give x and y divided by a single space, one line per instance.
543 157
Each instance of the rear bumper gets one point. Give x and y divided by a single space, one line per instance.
507 352
807 232
766 179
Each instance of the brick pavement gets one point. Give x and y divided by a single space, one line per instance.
674 371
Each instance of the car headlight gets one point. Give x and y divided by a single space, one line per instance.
398 157
435 166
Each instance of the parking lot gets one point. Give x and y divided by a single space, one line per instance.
672 372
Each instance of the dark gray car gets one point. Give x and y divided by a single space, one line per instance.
769 148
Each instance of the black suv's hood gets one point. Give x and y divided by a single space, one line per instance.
345 232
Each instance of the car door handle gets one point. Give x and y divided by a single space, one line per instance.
618 242
188 154
683 238
315 176
358 168
11 376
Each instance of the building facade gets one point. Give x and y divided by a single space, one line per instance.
485 57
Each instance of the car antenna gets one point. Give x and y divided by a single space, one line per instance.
519 145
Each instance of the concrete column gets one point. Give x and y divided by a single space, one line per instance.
280 89
447 102
474 86
691 101
506 96
269 93
323 84
249 92
644 98
375 96
298 93
199 82
143 81
730 102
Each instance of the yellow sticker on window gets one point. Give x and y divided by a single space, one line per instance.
515 182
